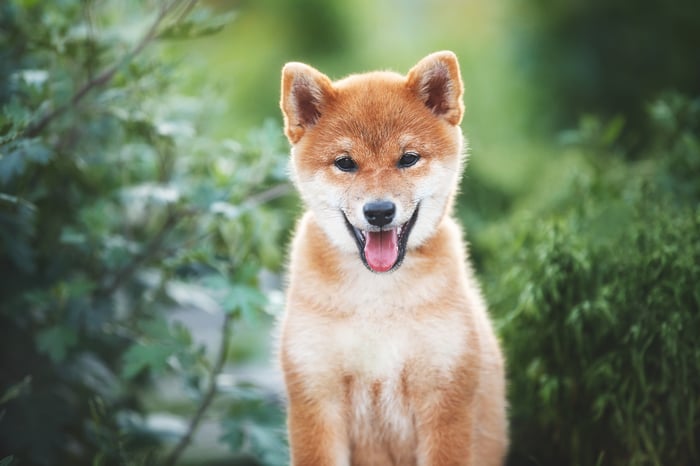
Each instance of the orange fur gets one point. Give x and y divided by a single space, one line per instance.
399 367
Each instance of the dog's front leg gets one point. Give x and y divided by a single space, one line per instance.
316 434
445 424
446 439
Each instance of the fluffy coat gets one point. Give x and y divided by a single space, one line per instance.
388 354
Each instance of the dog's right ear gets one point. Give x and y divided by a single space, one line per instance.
305 93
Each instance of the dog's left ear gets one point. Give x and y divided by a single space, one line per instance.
305 93
437 82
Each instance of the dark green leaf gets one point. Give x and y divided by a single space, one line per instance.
149 356
16 390
18 155
56 341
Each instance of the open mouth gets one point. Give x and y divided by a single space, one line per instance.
382 250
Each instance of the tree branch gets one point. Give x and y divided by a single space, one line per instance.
208 397
35 128
269 194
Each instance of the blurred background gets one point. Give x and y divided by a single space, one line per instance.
145 214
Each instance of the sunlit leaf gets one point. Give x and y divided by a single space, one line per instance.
34 77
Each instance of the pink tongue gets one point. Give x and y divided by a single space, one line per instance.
381 249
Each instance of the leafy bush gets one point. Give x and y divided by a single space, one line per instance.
116 207
600 307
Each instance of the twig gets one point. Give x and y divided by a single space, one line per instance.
268 195
34 129
208 395
186 10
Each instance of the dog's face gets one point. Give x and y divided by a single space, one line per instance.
376 157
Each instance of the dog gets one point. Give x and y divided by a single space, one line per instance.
386 347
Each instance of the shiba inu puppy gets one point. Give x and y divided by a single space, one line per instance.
388 354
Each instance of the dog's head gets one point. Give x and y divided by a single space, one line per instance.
376 157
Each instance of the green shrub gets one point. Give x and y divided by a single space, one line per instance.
599 309
116 207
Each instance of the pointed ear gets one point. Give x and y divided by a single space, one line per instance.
437 82
305 93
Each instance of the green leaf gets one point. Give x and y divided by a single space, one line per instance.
161 341
77 287
69 235
155 329
140 357
17 114
613 130
56 341
17 219
244 299
251 426
11 165
16 390
232 433
7 461
16 156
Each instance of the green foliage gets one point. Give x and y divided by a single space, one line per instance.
159 343
600 307
252 427
607 57
116 207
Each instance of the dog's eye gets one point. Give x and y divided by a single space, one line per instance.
408 159
345 164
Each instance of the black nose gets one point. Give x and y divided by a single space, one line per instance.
379 213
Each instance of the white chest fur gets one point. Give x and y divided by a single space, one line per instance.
373 346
